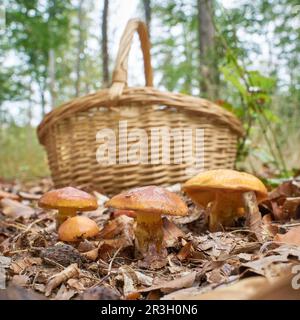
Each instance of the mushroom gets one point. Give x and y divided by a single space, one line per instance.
68 201
221 191
76 228
149 204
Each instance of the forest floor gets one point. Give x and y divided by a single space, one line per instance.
237 263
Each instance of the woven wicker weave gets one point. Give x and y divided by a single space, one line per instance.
69 132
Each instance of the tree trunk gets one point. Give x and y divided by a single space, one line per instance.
51 74
147 8
43 102
79 48
105 57
207 53
30 104
42 84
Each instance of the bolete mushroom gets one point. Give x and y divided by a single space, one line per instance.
149 204
221 191
78 227
68 201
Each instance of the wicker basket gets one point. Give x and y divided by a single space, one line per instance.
69 132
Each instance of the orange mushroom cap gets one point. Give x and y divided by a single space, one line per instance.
149 199
201 187
68 197
76 228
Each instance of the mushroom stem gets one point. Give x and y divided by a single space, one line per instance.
214 223
223 210
149 232
63 214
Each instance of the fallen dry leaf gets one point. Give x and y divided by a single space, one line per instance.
253 216
171 233
8 195
75 284
132 296
291 207
129 280
287 250
286 189
291 237
64 293
284 201
154 295
262 265
185 281
86 245
15 209
241 290
91 255
13 292
268 226
279 289
121 226
20 265
29 196
100 293
133 279
186 251
215 276
20 280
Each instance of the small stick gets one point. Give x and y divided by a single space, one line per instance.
109 271
50 261
70 272
27 229
34 279
14 225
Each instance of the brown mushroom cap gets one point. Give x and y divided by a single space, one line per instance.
150 199
202 185
77 227
68 197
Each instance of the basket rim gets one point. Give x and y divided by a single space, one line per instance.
143 96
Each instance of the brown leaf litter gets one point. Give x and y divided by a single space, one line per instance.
241 262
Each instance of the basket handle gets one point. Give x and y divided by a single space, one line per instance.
119 77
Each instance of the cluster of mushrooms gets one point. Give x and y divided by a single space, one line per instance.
220 192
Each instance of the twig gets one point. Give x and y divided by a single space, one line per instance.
34 279
33 223
288 225
109 269
54 263
18 251
68 273
27 229
14 225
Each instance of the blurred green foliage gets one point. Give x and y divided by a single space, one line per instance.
264 94
21 155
